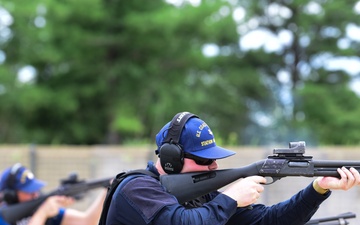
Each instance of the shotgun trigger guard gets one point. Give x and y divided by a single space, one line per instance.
271 180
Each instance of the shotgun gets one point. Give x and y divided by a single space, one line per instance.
333 220
283 163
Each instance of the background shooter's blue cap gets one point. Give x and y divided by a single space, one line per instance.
24 181
196 139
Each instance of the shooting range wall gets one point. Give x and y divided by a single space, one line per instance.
52 163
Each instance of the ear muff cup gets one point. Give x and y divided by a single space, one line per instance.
171 158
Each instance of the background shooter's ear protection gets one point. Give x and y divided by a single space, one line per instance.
9 194
171 154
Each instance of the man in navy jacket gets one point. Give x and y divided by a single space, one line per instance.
186 144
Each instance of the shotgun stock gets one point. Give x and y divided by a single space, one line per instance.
283 163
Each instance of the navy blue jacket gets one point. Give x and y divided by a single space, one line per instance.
141 199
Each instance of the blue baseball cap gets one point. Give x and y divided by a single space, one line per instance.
19 178
196 139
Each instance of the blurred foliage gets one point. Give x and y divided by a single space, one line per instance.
110 72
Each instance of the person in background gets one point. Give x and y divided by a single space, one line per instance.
19 185
186 144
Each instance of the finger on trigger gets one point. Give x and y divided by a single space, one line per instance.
260 179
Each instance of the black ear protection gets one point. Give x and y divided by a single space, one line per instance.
9 194
170 153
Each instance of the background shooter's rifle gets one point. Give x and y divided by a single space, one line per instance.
69 187
283 163
333 220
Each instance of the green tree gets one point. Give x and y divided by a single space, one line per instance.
300 71
331 113
120 70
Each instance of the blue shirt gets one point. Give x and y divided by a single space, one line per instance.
141 199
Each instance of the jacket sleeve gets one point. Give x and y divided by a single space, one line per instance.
295 211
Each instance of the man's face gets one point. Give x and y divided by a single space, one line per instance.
25 196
